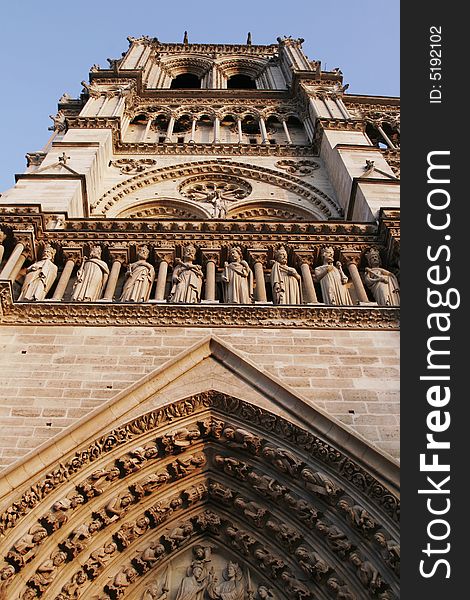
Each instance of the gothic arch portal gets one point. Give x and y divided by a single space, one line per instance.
164 489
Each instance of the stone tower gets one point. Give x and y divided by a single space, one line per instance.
199 319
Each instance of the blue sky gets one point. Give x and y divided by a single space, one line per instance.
47 48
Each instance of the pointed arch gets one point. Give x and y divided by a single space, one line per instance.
295 499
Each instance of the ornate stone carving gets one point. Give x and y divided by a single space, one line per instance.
299 168
206 189
34 159
132 166
332 280
39 277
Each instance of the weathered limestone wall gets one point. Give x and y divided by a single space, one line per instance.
52 376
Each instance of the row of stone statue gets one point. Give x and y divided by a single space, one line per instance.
187 279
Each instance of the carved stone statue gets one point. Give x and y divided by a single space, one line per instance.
332 280
139 278
382 283
91 277
193 586
238 278
187 278
232 588
285 281
39 276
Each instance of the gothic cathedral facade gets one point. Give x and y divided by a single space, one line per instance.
199 314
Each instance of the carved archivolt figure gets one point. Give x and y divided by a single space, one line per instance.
232 588
238 278
39 276
341 591
139 278
332 280
382 283
187 278
285 280
193 586
91 277
6 576
264 593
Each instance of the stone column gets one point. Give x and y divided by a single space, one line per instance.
15 262
211 260
165 257
352 259
240 132
72 258
193 130
169 131
216 130
264 133
286 131
147 129
309 295
259 259
386 138
119 258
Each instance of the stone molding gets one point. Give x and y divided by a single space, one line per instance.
199 315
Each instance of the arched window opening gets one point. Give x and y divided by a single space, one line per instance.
161 123
241 82
204 130
228 130
183 124
275 131
375 136
297 131
392 133
185 81
250 126
139 120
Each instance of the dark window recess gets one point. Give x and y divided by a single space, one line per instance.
241 82
180 140
273 142
185 81
161 139
253 141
